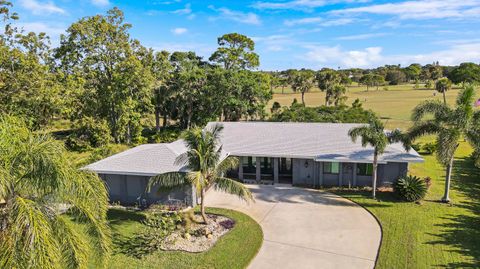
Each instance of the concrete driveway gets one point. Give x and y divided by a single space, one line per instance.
306 228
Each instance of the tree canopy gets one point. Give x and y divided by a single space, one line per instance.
235 51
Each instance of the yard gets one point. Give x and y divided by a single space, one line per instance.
393 106
234 250
430 234
426 235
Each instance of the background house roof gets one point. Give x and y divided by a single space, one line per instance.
319 141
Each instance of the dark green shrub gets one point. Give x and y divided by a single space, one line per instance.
89 133
429 148
411 188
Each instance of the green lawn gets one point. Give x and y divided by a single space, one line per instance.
234 250
393 106
430 234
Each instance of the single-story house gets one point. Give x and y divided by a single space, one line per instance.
309 154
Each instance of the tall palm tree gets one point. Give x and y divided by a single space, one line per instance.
375 135
206 168
37 181
449 125
442 86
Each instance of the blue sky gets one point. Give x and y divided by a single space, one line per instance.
289 33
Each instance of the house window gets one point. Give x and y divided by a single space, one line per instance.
285 166
364 169
249 164
266 165
331 168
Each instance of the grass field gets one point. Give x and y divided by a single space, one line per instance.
430 234
393 106
234 250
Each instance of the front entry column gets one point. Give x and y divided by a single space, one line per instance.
275 170
340 174
354 174
240 168
258 170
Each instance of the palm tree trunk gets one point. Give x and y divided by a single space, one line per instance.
202 206
303 98
446 196
444 98
374 174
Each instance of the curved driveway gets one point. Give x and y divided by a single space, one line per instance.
305 228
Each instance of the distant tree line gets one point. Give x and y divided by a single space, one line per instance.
111 88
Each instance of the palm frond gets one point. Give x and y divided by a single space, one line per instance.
29 232
87 188
233 187
447 144
423 128
182 159
216 130
435 107
398 136
226 165
167 180
356 132
465 99
73 245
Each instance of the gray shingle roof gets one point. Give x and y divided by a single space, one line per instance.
144 160
319 141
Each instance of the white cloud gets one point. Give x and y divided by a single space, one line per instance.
335 56
425 9
184 11
294 22
305 5
238 16
179 31
360 36
100 3
274 42
319 21
40 8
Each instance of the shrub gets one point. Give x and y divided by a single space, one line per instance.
227 224
89 133
150 239
411 188
429 148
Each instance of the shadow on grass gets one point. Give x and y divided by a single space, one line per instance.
116 216
462 231
382 197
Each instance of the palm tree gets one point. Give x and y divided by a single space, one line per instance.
449 125
206 167
443 85
374 135
37 181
